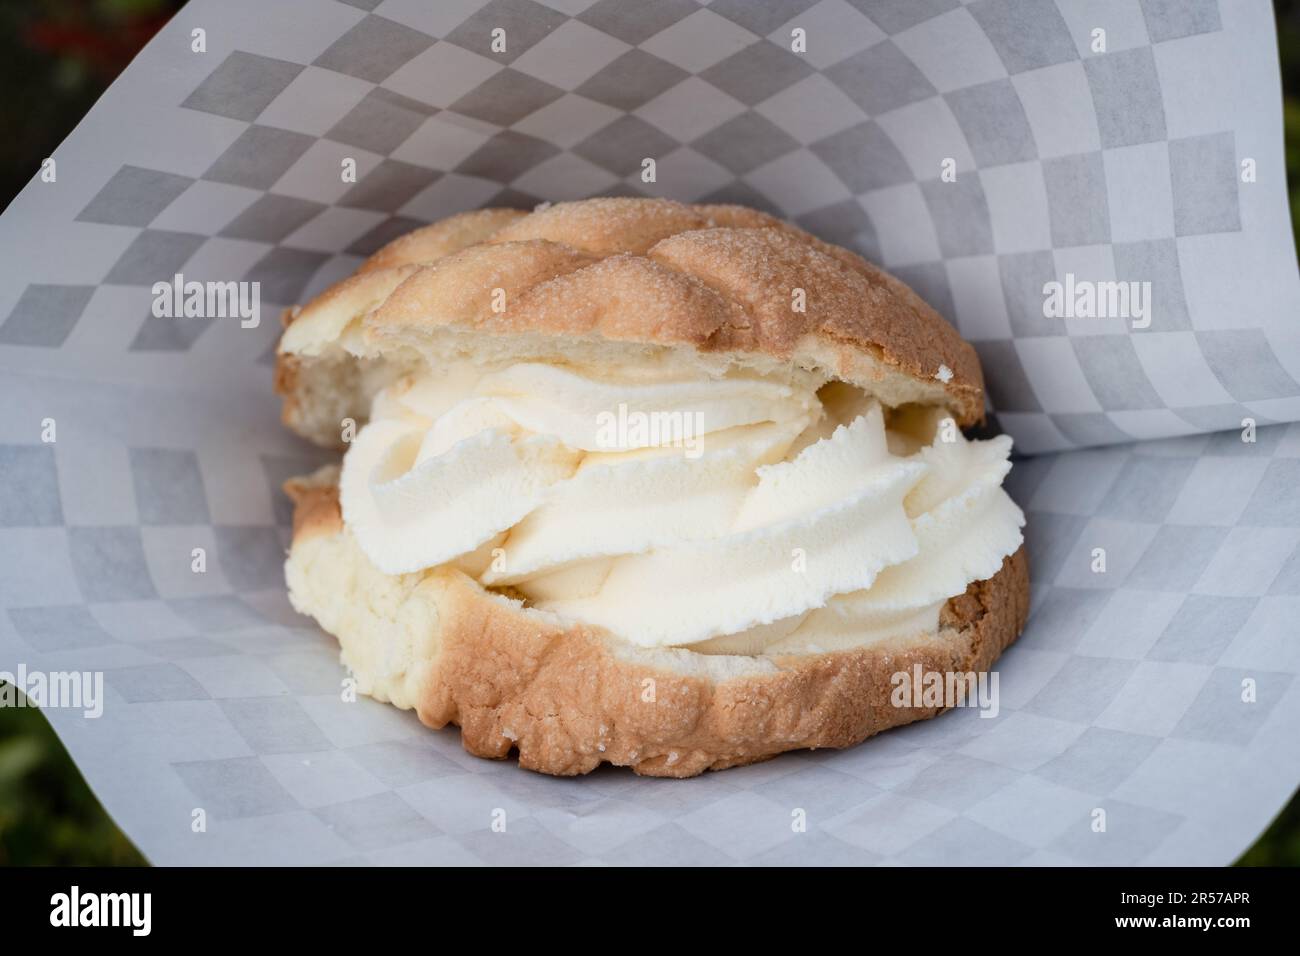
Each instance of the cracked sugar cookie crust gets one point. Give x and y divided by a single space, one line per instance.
569 698
606 280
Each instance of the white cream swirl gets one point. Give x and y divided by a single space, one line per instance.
766 516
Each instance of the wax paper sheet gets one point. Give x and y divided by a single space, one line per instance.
1147 715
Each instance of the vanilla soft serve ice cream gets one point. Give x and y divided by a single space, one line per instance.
731 514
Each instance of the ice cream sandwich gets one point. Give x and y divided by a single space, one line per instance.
673 487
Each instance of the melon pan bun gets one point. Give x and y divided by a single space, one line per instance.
613 280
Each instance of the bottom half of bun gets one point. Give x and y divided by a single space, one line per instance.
568 698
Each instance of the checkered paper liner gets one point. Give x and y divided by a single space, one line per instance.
1125 692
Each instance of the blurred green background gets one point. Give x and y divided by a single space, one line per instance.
56 57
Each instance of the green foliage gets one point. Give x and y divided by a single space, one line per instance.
48 816
1288 39
1280 843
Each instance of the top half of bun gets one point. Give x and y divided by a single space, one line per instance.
616 281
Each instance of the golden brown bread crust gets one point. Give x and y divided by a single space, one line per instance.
715 279
569 699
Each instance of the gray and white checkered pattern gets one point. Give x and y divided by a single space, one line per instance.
1124 694
1118 166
